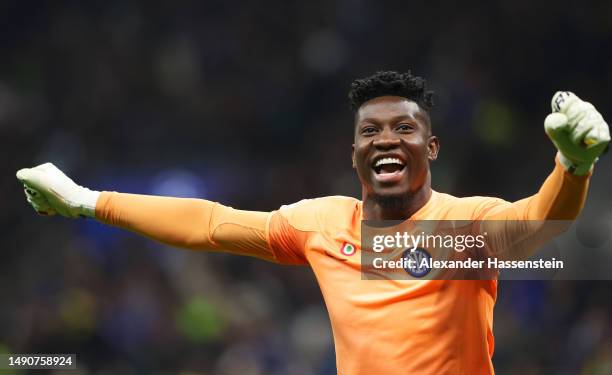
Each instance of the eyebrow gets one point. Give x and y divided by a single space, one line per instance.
394 119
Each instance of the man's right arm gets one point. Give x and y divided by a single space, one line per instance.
195 224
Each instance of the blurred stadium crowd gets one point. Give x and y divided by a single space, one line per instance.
244 102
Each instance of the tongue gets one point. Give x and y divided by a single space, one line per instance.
390 168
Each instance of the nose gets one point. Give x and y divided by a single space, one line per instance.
386 140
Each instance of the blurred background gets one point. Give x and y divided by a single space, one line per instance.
245 103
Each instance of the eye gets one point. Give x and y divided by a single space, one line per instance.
405 127
369 130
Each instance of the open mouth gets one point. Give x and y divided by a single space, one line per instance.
388 169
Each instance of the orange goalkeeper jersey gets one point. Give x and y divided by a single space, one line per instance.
389 326
379 326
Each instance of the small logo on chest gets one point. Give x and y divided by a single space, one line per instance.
348 249
417 262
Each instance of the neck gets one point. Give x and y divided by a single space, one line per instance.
401 207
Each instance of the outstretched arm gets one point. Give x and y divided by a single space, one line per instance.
195 224
581 136
561 197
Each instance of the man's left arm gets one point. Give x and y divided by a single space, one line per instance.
581 135
561 197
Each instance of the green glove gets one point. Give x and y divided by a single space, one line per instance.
49 191
578 131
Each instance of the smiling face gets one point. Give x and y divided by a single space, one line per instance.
393 147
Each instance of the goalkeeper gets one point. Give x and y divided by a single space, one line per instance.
379 327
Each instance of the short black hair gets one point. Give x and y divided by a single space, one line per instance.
390 83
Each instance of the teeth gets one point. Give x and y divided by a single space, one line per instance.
384 161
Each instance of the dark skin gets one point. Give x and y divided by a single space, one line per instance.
393 127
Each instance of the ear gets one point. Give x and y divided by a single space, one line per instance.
433 147
353 156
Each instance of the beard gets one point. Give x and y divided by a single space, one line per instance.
392 203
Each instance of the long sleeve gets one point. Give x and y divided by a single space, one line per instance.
516 230
189 223
561 197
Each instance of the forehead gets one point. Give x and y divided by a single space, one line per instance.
389 107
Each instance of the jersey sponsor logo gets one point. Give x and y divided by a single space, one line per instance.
348 249
420 262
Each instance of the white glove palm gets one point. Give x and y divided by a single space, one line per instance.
51 192
578 131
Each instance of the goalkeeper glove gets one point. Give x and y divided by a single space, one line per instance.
578 131
51 192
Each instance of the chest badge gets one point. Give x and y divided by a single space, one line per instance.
419 262
348 249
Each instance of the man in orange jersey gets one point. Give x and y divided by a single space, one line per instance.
380 326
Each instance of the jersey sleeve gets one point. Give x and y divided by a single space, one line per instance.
197 224
194 224
561 197
290 228
517 229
